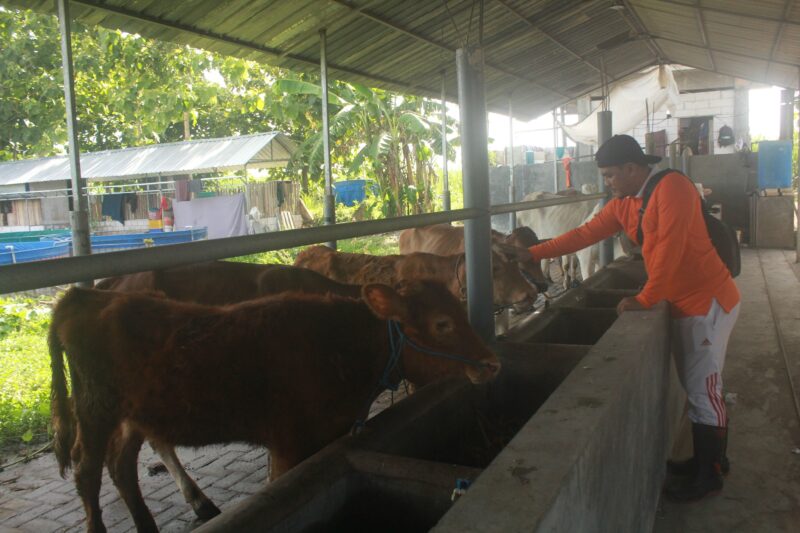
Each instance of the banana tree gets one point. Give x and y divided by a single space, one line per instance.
378 134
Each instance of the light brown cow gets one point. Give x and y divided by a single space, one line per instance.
444 239
286 372
220 283
510 288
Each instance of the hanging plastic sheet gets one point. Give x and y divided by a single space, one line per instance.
629 101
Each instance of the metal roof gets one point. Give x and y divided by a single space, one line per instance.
259 150
541 53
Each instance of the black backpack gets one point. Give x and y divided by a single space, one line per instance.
723 237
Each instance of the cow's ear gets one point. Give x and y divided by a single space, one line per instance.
384 301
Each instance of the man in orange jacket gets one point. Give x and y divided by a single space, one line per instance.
684 269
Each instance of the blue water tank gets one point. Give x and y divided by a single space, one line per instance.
349 192
529 159
774 164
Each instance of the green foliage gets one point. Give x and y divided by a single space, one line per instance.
24 370
28 315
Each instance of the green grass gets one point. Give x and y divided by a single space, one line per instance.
373 244
24 370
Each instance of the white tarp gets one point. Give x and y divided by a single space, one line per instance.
223 215
630 101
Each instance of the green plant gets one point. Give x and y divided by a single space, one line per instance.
24 369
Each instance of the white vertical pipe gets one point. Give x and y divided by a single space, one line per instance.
79 214
555 158
445 179
512 189
329 206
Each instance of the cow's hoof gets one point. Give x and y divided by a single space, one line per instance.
206 510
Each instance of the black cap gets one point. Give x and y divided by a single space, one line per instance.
621 149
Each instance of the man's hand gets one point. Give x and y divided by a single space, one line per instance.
629 303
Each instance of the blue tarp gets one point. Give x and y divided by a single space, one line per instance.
60 245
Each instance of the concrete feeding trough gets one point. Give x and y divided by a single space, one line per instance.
540 418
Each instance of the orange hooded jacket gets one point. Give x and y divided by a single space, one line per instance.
682 265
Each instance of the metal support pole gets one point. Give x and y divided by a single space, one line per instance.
797 206
512 188
475 171
329 206
604 133
79 215
445 180
555 146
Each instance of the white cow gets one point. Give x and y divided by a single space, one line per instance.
552 221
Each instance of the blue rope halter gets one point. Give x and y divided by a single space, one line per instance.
398 339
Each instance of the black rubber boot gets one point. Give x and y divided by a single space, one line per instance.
707 479
688 468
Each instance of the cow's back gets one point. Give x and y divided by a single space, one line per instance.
349 268
439 239
283 278
552 221
213 283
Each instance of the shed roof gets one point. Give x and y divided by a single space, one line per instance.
259 150
541 53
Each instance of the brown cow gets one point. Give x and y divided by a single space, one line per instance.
287 372
510 288
220 283
227 282
444 239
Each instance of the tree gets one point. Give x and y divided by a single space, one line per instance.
379 134
132 91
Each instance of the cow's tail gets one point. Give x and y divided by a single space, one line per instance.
60 409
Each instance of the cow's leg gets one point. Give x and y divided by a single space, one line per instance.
123 453
88 453
281 462
203 507
585 260
545 264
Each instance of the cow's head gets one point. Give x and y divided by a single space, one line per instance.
436 324
509 284
525 237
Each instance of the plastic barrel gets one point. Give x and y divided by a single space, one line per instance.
154 218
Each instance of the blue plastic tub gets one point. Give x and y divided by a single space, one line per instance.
60 245
102 243
22 252
774 164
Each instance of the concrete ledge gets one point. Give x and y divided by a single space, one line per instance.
592 458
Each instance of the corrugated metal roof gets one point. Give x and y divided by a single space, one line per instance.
539 53
259 150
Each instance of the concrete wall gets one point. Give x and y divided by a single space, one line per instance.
593 456
730 177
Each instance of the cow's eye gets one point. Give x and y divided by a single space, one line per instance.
444 326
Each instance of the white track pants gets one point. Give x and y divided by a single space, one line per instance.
699 344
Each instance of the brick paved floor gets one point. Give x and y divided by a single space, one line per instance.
34 498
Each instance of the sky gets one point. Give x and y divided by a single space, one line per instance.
764 120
